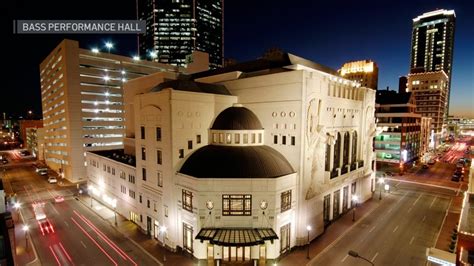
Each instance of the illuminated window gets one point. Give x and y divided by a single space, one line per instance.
187 197
285 200
236 138
143 153
237 205
181 153
188 237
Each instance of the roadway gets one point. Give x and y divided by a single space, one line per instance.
397 232
80 237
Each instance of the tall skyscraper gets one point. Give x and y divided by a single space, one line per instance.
432 44
175 28
365 72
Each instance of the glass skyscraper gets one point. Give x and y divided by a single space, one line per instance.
175 28
432 43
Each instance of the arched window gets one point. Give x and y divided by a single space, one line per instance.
345 151
328 158
354 146
337 149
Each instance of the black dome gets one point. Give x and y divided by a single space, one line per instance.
236 118
214 161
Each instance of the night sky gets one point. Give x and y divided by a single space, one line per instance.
327 32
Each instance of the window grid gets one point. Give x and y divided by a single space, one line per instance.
237 205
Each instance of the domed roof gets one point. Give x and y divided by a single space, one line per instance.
237 118
216 161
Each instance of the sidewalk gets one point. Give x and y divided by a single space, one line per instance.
23 246
132 232
334 231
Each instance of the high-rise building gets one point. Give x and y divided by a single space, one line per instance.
365 72
81 93
432 44
176 28
431 96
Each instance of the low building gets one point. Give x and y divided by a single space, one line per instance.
399 129
25 125
258 150
35 142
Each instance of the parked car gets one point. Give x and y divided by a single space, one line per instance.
4 161
52 180
455 178
43 172
425 166
431 162
389 174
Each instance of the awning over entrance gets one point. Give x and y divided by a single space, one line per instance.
236 236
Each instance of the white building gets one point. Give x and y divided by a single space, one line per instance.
82 100
256 151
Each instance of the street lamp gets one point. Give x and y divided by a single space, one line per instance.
109 46
153 54
356 255
387 188
25 229
308 228
354 202
381 182
163 232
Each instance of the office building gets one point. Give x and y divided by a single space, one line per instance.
433 43
431 96
365 72
243 152
176 28
398 139
82 92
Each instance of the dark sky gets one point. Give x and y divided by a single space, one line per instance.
327 32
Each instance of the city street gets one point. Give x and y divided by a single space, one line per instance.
397 232
80 237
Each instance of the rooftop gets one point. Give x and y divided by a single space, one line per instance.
392 97
117 155
267 63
